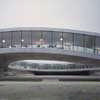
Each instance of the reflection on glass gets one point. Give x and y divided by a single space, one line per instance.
36 39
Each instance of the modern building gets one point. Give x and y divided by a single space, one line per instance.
84 42
49 43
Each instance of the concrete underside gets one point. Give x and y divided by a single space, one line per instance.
10 55
13 54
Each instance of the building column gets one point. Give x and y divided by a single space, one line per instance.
3 69
3 65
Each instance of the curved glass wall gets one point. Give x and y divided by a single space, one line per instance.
42 66
49 39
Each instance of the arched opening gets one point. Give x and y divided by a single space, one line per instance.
48 67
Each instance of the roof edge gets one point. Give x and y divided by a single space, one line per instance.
49 29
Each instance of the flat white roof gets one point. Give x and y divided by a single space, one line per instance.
49 29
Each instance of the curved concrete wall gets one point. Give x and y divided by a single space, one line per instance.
13 54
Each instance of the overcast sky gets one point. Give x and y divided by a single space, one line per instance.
74 14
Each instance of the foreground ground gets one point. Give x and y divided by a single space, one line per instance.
47 90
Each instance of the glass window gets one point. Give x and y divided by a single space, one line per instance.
6 39
78 42
89 44
16 39
68 41
26 39
97 47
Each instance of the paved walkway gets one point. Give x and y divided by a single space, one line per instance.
49 90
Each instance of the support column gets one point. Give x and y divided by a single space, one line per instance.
31 39
21 40
11 34
3 70
94 51
73 41
62 39
3 65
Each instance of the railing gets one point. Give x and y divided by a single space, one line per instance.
73 49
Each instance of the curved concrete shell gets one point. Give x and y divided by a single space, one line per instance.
49 43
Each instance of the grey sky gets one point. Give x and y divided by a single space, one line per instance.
74 14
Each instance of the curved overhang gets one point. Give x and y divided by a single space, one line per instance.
14 54
49 29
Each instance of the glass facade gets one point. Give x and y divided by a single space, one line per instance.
36 66
51 39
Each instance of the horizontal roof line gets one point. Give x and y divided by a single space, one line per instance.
49 29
